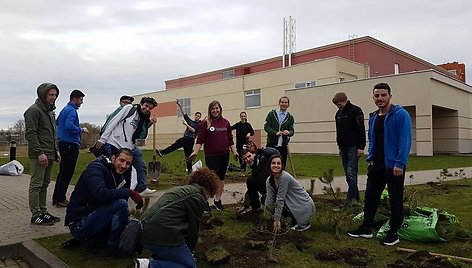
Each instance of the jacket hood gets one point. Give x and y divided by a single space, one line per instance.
42 91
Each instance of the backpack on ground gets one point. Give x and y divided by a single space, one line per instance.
129 239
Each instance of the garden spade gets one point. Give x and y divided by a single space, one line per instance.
154 167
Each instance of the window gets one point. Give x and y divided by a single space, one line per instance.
253 98
185 106
304 84
452 72
396 68
228 74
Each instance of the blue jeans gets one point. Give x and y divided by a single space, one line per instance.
140 166
351 166
111 218
171 256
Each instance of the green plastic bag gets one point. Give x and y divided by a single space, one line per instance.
379 216
420 225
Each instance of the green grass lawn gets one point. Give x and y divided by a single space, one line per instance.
294 249
173 166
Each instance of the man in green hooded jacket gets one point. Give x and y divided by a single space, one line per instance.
40 125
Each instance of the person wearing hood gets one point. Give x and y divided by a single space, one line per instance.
40 133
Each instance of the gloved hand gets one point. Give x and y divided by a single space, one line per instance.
136 198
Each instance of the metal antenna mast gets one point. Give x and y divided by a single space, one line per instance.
289 40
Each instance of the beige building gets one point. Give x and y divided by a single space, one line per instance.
440 105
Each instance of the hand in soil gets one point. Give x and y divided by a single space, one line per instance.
277 227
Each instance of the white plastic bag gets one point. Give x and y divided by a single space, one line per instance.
134 178
198 165
13 168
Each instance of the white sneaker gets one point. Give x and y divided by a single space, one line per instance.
147 192
300 228
141 263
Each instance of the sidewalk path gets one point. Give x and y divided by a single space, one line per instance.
15 217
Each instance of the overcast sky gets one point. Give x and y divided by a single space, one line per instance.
113 47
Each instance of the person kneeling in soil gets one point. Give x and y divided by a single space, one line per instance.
98 208
257 159
171 225
289 197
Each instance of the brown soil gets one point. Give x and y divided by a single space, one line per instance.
352 256
249 252
446 188
422 259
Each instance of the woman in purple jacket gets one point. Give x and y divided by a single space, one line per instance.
215 133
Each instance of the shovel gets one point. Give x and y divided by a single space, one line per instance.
154 167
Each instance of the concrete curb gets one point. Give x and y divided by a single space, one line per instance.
33 254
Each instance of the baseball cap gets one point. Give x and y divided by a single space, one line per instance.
125 97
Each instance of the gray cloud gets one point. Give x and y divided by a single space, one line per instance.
110 48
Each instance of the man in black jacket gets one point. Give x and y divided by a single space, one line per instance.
99 203
256 182
350 137
243 132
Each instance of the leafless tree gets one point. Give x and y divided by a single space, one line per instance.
19 128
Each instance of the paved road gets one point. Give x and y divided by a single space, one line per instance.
15 218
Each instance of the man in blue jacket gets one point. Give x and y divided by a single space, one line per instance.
68 134
99 203
389 148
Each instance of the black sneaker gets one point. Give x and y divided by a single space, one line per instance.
390 240
361 232
49 216
218 205
64 203
158 152
41 220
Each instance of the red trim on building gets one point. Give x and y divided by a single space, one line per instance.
379 56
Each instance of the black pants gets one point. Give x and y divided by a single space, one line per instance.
187 144
377 177
254 187
218 163
69 153
287 213
239 149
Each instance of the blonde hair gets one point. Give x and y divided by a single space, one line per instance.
209 119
